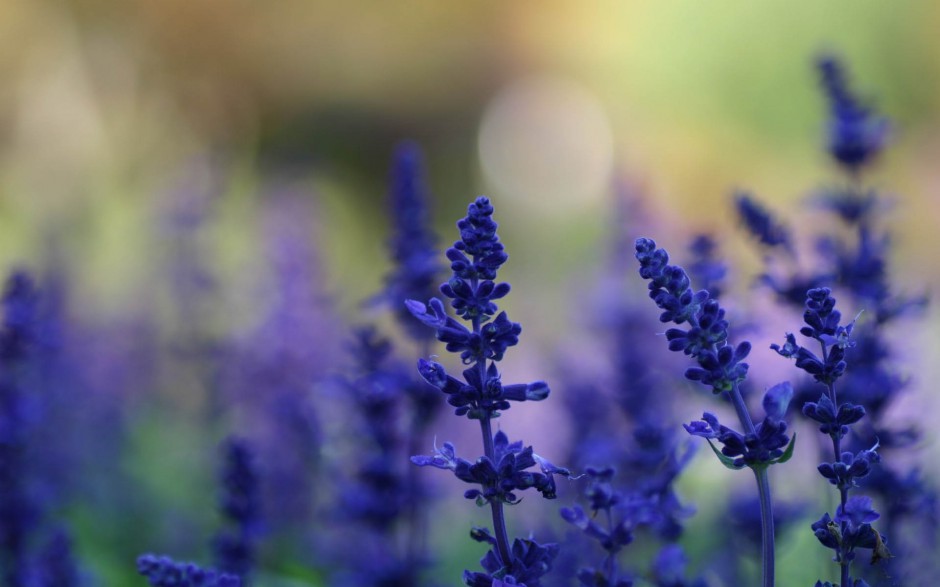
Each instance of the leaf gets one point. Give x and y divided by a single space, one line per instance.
787 454
725 460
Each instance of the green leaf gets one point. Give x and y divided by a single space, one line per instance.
787 454
725 460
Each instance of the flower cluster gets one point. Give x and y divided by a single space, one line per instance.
20 511
768 444
760 223
851 527
721 365
722 368
376 496
501 476
856 260
530 561
617 534
856 135
240 506
474 261
343 498
822 324
162 571
413 244
640 440
502 470
33 549
706 268
479 397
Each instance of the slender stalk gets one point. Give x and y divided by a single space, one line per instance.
737 400
499 520
610 561
763 491
767 527
416 516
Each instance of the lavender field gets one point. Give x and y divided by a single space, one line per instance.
310 294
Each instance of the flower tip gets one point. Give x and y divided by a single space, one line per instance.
415 307
537 391
645 245
777 400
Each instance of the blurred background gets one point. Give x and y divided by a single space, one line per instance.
153 151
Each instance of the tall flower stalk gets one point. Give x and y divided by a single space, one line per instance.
20 509
851 527
35 551
414 274
721 366
240 506
632 457
853 256
503 468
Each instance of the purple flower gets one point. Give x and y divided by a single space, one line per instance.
530 561
850 529
708 427
765 446
57 566
413 244
834 422
822 324
504 467
20 508
721 366
855 135
501 476
706 268
760 224
849 467
165 572
240 506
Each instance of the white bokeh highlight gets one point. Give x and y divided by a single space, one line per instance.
547 140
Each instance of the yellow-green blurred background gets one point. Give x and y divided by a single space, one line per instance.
104 105
109 109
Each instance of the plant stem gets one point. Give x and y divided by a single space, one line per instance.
417 530
763 490
499 520
767 526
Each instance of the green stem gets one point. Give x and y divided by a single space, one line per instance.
763 490
767 526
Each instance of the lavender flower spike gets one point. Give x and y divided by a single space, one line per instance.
163 571
20 509
851 528
413 243
856 135
504 468
721 366
240 506
761 224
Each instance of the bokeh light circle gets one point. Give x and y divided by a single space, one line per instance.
547 140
